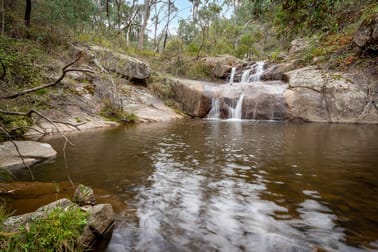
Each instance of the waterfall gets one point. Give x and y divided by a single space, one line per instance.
236 113
233 71
214 112
245 75
255 110
259 69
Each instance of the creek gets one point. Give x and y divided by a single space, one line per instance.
214 185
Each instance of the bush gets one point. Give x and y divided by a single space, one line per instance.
58 231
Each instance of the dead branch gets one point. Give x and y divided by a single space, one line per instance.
65 70
18 151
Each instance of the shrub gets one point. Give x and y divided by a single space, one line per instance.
58 231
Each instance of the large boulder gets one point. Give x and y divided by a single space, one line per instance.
122 64
277 71
221 65
366 36
319 96
32 153
99 223
193 97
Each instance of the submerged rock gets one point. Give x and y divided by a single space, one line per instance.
32 152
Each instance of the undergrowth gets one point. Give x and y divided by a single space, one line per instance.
58 231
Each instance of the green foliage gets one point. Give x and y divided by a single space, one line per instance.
15 125
58 231
117 114
5 176
21 62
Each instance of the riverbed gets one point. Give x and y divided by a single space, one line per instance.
231 185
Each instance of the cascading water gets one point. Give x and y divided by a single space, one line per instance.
233 71
214 112
248 99
236 113
259 69
245 75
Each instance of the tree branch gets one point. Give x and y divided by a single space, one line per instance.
18 151
65 70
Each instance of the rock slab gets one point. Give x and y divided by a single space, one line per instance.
32 152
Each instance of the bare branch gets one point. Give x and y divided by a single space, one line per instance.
65 70
18 151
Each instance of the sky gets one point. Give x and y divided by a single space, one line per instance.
184 12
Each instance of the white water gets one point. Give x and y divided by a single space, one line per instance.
236 113
233 71
259 69
214 112
245 75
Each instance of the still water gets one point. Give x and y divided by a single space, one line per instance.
232 186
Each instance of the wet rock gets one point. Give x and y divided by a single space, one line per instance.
221 65
32 152
84 195
319 96
366 36
122 64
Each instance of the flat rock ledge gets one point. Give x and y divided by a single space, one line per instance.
32 152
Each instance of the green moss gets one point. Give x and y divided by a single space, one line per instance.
117 115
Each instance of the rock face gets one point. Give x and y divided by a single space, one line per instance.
298 45
221 65
309 94
366 36
32 152
257 100
122 64
193 97
317 96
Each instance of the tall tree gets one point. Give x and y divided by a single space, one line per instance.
28 13
146 17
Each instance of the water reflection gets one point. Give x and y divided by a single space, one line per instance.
235 186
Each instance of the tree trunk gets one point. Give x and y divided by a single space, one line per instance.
166 27
146 16
2 18
28 13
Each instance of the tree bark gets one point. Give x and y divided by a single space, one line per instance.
28 13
